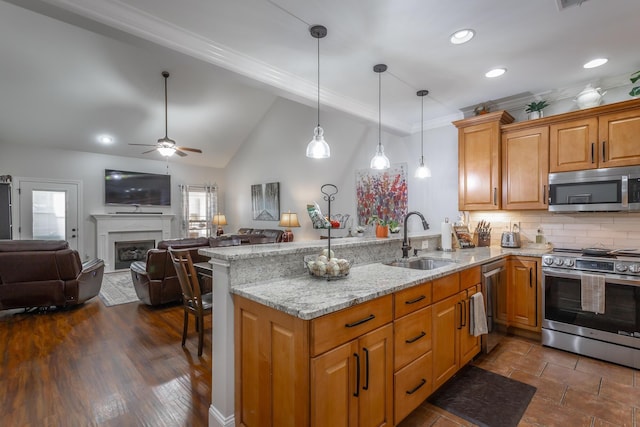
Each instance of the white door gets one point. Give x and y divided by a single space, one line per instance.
49 210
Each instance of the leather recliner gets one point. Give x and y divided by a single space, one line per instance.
45 273
156 281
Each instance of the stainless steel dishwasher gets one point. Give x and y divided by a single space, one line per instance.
494 289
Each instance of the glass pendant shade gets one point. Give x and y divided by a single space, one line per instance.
423 171
318 147
380 160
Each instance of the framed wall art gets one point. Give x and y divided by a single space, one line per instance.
265 201
382 193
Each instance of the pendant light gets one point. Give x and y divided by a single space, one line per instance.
318 147
422 171
380 161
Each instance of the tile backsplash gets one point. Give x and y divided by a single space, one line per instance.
615 230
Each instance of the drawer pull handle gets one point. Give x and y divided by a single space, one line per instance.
416 388
360 322
414 339
415 300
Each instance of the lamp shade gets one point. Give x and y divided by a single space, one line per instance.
289 220
219 219
166 151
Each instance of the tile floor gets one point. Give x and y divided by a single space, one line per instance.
572 390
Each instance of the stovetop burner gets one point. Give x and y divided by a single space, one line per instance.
598 252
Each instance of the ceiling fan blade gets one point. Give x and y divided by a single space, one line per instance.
180 153
195 150
149 151
145 145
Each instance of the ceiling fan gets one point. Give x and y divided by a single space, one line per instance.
167 146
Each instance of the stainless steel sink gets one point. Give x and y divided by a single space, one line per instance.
421 263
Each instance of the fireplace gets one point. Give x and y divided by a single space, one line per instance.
127 228
128 252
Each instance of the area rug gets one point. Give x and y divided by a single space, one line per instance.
484 398
117 288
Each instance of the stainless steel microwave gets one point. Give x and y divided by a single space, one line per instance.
611 189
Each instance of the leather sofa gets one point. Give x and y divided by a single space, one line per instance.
45 273
253 236
155 280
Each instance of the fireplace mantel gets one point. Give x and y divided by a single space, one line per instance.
111 227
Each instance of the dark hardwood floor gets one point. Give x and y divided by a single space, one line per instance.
102 366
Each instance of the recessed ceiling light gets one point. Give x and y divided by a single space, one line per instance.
496 72
462 36
595 63
105 139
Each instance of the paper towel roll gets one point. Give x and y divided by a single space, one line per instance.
445 237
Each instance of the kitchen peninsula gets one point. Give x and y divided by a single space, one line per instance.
273 277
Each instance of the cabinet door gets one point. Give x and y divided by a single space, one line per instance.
469 344
619 139
573 145
447 320
525 168
375 400
334 387
479 167
524 303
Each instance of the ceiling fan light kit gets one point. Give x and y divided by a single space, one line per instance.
166 146
380 161
318 147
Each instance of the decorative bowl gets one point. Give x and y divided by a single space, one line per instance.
331 269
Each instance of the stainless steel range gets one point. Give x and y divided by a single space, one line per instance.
613 335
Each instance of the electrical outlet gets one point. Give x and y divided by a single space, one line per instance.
425 244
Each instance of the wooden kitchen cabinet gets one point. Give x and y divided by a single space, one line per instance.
412 343
336 369
523 294
479 181
599 140
525 168
573 145
352 385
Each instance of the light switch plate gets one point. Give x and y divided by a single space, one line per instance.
425 244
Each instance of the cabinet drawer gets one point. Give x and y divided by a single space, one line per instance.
469 277
333 329
412 385
446 286
411 336
411 299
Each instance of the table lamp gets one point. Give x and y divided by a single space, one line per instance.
288 220
219 220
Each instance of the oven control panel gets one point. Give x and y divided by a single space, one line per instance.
627 266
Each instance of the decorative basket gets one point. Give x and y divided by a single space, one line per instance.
332 269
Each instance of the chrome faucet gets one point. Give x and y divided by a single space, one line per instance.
405 243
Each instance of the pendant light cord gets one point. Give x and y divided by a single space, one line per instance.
318 82
422 131
379 110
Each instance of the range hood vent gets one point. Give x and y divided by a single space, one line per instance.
563 4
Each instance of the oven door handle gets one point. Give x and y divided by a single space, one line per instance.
614 279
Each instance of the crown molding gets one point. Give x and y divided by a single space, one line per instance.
129 19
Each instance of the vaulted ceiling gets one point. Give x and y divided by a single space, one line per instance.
71 70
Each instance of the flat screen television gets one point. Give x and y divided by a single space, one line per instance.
136 188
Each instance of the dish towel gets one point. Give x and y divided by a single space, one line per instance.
478 324
592 293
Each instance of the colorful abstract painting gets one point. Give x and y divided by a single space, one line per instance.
382 193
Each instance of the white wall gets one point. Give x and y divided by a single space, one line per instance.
27 162
275 152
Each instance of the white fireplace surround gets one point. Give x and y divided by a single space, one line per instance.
112 228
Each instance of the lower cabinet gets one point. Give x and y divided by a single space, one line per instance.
522 290
352 385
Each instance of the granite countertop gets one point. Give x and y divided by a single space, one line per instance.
308 297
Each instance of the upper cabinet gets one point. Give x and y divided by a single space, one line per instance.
479 171
525 168
505 165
